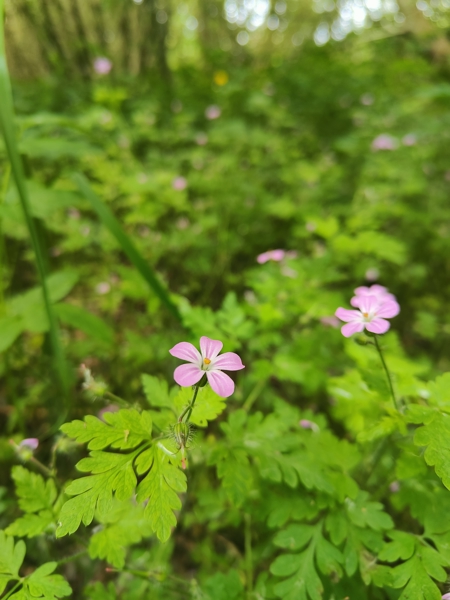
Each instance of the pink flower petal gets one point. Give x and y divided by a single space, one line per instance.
277 255
373 289
446 596
228 361
348 316
368 304
186 351
351 328
210 348
378 325
187 375
388 309
220 383
263 258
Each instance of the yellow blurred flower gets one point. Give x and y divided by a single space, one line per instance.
221 77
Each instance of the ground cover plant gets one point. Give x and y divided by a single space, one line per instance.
236 384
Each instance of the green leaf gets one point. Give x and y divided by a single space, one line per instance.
124 429
160 487
78 317
436 436
401 547
368 514
42 584
33 491
224 586
123 526
294 537
113 473
11 555
156 391
31 525
10 329
303 582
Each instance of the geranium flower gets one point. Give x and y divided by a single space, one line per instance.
371 315
102 65
379 292
206 362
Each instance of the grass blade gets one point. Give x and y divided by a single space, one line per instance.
7 128
110 221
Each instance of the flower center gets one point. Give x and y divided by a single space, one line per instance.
206 361
365 315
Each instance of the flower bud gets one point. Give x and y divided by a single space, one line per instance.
25 448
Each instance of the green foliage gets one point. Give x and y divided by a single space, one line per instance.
307 483
115 476
36 498
42 583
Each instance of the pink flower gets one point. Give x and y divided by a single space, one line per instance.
371 316
307 424
384 142
379 292
372 274
207 363
276 255
102 65
394 487
213 112
31 443
103 288
446 596
179 183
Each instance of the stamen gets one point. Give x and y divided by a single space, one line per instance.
206 361
365 315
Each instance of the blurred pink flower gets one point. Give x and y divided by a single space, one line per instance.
31 443
330 321
206 363
366 99
275 255
446 596
102 65
409 140
201 139
379 292
372 274
212 112
307 424
179 183
384 142
103 288
371 316
394 487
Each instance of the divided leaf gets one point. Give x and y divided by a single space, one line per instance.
112 473
160 487
43 584
436 436
124 429
126 525
11 559
35 495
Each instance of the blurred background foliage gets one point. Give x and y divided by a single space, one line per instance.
215 132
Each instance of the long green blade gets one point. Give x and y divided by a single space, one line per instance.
7 128
110 221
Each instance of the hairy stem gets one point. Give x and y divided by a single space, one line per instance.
386 370
188 409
